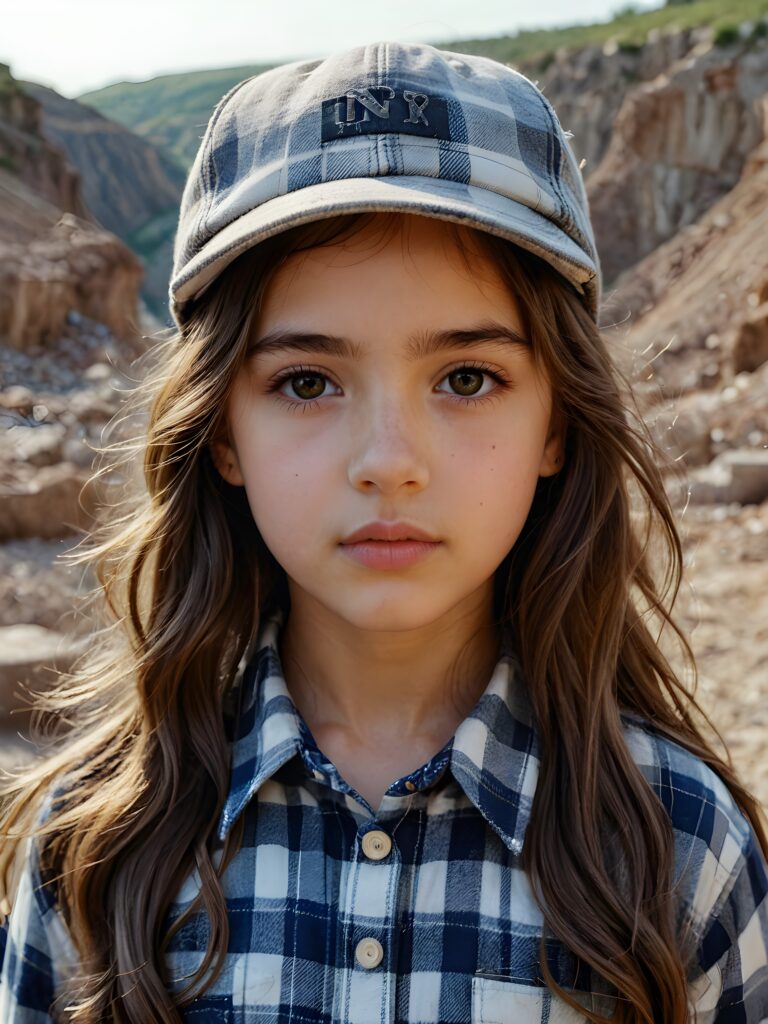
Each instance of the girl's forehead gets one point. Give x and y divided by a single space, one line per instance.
419 230
389 260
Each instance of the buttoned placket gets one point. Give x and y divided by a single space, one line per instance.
369 885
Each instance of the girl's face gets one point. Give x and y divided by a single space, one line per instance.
325 441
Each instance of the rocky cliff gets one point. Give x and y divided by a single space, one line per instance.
129 186
53 256
26 154
664 129
125 180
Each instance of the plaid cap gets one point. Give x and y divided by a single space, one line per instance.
388 126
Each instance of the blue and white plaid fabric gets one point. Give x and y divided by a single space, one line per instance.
420 912
387 126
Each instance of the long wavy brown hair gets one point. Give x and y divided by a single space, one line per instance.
183 575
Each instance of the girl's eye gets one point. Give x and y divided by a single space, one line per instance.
308 384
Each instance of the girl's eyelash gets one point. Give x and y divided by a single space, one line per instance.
504 382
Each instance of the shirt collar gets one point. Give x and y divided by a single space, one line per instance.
493 755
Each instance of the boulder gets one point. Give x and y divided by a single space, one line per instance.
46 503
737 475
36 446
750 344
31 656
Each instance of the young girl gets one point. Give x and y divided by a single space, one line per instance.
377 728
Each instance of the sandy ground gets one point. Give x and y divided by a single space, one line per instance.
724 607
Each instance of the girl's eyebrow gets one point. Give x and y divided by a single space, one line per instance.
420 344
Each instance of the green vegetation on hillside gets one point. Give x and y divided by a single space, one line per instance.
629 29
171 111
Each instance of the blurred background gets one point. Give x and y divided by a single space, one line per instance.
667 104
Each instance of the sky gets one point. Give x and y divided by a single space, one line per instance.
83 45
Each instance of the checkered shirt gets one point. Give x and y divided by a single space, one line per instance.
418 912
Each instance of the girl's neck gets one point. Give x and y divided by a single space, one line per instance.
397 687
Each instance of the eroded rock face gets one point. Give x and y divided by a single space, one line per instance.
679 143
692 336
72 265
125 180
53 257
697 303
26 154
663 129
131 187
587 87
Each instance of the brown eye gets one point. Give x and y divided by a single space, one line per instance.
466 381
308 385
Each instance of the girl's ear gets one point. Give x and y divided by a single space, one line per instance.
552 457
224 458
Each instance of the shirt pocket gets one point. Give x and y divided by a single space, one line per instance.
499 1000
256 988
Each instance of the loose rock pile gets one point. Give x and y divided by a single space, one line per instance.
56 405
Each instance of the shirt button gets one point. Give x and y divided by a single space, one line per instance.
410 786
376 844
369 952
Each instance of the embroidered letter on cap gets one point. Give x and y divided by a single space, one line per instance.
383 109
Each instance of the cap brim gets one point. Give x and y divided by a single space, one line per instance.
430 197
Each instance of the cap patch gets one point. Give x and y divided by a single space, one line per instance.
380 108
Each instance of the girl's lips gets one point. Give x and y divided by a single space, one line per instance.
389 554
